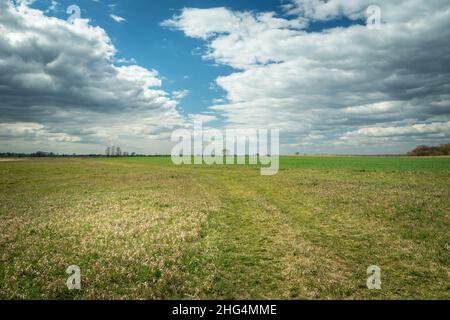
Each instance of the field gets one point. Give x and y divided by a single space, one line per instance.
141 228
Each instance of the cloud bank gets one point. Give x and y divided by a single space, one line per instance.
60 89
328 90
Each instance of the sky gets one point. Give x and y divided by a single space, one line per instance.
129 73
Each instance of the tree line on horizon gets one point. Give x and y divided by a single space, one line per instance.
427 151
420 151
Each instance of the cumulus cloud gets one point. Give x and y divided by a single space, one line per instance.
20 129
58 83
202 118
180 94
322 85
117 19
441 129
53 6
32 132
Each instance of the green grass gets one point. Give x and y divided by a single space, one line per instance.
141 228
354 163
368 163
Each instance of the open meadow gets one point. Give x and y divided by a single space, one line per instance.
142 228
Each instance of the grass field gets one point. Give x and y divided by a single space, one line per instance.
141 228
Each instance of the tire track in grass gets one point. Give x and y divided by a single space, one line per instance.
357 234
259 256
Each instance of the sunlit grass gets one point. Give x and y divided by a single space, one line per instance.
141 228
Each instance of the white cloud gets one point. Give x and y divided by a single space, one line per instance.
20 129
33 131
126 61
117 19
142 77
375 108
442 128
204 118
53 6
180 94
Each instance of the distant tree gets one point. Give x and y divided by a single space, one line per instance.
445 148
427 151
40 154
